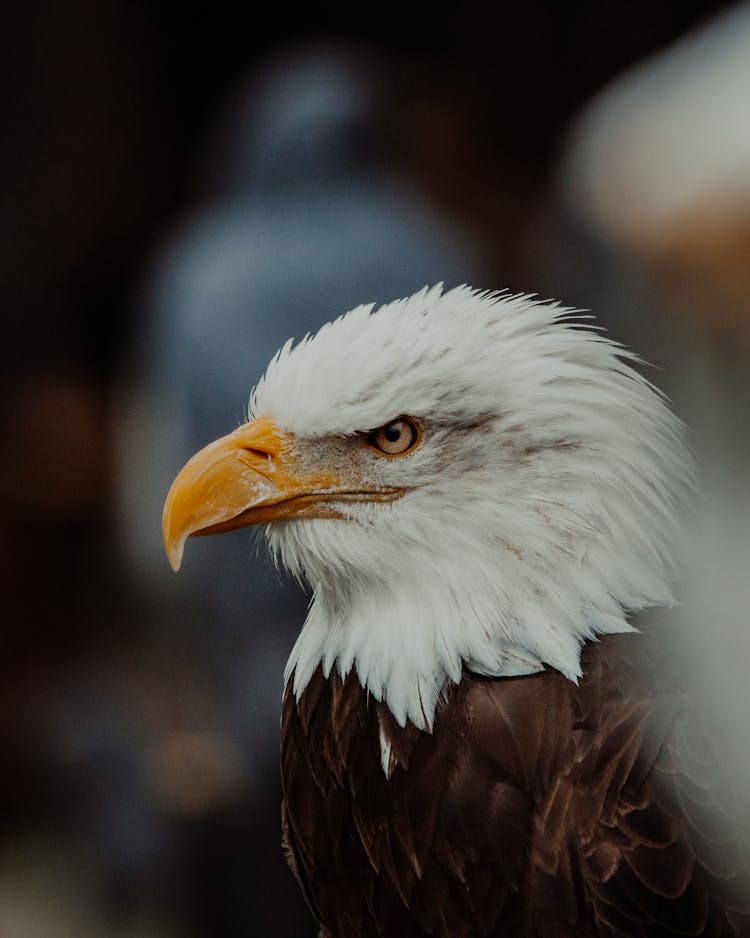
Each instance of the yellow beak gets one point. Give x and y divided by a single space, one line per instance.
252 476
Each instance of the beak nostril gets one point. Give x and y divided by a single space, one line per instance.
258 453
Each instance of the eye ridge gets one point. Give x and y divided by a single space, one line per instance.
395 438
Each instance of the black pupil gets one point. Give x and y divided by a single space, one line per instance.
392 432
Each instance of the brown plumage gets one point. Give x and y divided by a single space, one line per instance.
537 807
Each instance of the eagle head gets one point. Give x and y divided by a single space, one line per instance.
465 479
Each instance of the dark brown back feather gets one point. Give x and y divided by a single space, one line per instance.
536 808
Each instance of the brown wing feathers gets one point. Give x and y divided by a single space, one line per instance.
645 869
535 808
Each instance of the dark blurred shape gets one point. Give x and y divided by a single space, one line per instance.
51 468
193 773
303 216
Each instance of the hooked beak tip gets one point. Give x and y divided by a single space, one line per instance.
173 545
175 557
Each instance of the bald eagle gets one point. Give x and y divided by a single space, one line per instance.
476 741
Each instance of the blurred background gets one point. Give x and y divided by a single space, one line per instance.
180 193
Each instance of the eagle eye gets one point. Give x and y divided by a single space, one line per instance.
395 438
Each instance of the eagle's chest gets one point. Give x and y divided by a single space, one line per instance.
401 850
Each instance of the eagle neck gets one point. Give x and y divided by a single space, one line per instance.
407 648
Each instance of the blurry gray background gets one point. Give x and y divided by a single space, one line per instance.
183 193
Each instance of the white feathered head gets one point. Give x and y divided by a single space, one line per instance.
465 479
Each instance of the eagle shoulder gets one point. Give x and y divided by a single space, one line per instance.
635 825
